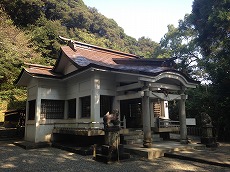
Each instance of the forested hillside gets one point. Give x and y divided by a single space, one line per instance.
29 31
15 49
45 20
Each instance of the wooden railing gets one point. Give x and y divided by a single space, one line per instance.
194 130
164 123
84 125
79 125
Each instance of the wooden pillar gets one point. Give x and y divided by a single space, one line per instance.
182 116
147 142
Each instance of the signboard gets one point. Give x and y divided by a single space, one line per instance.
190 121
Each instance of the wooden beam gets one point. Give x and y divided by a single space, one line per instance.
135 95
129 87
168 97
165 86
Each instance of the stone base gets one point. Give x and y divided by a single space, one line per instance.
112 138
111 154
165 135
209 141
32 145
184 141
147 145
112 129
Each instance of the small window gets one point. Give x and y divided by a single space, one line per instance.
31 115
72 108
52 109
105 105
85 107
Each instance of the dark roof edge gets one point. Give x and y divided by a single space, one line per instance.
91 65
57 61
132 72
19 76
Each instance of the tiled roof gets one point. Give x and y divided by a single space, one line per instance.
94 53
84 56
35 69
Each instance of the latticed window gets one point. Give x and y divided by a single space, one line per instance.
31 115
72 108
105 104
52 109
157 110
135 109
85 106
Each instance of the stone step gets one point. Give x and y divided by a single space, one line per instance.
133 137
157 151
136 141
135 132
138 138
156 138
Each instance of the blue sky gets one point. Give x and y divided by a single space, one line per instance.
147 18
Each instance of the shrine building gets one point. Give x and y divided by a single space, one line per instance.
88 81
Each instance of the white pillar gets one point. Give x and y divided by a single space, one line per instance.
182 116
38 115
147 142
95 99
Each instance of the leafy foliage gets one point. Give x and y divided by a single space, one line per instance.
180 43
46 20
211 19
29 31
201 44
15 49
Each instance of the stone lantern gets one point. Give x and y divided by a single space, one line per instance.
207 137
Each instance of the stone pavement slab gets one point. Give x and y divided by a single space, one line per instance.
159 149
215 156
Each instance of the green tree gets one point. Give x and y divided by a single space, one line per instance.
15 49
180 43
211 19
23 12
44 34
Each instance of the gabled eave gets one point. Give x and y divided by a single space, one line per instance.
25 77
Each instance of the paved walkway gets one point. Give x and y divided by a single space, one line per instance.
194 152
14 159
215 156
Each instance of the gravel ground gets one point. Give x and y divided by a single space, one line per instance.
13 158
